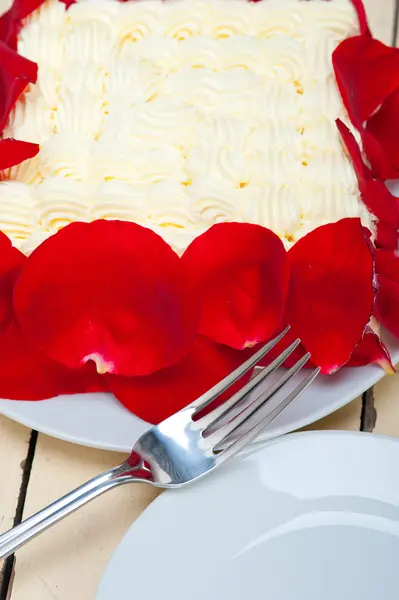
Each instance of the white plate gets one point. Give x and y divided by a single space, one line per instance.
100 421
312 516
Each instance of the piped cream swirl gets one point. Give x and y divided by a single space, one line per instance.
181 114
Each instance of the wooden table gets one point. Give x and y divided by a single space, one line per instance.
67 561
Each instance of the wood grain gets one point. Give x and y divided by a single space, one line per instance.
386 403
67 561
14 442
347 418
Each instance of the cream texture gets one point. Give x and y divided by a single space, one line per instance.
179 115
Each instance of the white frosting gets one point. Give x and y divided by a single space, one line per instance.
214 200
60 202
181 114
259 206
16 210
65 156
116 199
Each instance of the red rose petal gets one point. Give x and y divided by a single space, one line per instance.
362 16
367 72
386 308
23 8
109 291
240 273
68 3
159 395
380 162
387 264
384 207
386 238
371 350
14 152
11 262
8 30
16 72
28 374
380 136
331 294
354 152
379 201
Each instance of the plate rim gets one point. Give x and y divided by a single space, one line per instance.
359 385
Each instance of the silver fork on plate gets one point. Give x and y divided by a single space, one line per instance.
185 446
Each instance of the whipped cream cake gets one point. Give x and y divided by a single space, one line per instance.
181 114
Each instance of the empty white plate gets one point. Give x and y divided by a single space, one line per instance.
311 516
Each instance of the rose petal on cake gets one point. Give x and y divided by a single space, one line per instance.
387 264
155 397
16 72
362 16
108 291
240 274
384 208
354 151
8 30
371 350
69 3
26 373
381 165
367 72
386 237
331 295
14 152
11 262
380 141
379 201
386 308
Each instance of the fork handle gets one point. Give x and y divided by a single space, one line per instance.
19 535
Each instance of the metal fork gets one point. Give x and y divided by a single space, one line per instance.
185 446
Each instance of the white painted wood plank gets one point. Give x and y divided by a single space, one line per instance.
14 442
67 561
347 418
386 404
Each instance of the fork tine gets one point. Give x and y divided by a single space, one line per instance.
253 433
216 437
225 383
237 399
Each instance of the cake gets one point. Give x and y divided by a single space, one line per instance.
180 180
181 114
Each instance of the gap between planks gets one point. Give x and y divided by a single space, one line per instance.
7 571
